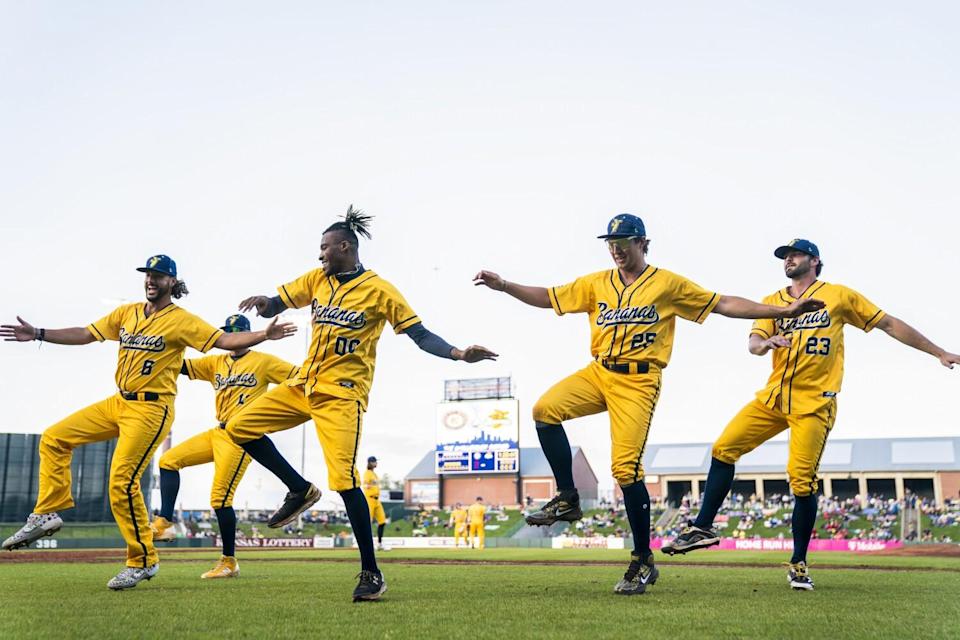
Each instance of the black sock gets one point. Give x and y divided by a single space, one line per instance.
380 528
263 451
804 520
636 500
227 518
719 484
169 488
359 514
556 449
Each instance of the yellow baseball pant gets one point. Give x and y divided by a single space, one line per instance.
338 423
477 533
630 399
230 462
139 428
755 424
459 533
377 514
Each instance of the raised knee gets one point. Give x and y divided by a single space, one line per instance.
723 454
545 413
168 462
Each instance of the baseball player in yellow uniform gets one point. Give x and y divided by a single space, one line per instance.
371 489
152 336
238 378
476 514
458 520
349 306
800 395
632 310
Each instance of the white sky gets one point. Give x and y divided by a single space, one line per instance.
228 135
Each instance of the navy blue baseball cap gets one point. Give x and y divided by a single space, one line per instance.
624 225
161 264
797 244
235 323
372 459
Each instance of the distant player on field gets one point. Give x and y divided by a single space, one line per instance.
153 336
632 310
371 489
476 514
349 306
458 520
238 378
800 395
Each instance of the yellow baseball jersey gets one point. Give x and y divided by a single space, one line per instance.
634 323
151 348
807 375
475 512
371 484
459 516
348 318
237 381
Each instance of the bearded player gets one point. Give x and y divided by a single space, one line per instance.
800 395
349 306
632 311
153 337
238 378
371 489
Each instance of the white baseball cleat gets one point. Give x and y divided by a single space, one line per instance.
382 547
131 577
38 525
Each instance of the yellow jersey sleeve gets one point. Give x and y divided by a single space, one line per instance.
371 486
201 368
108 327
764 327
395 309
299 293
279 370
691 301
860 312
197 334
574 297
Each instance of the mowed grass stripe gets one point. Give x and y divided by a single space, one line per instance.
297 599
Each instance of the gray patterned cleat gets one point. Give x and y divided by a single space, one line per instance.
293 505
690 539
799 577
38 525
131 577
371 586
564 507
638 577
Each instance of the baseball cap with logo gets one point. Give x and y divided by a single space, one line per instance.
624 225
161 264
236 323
797 244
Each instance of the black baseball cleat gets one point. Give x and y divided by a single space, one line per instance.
691 539
564 507
640 574
371 586
293 505
799 577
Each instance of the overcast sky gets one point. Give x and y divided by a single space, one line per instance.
499 136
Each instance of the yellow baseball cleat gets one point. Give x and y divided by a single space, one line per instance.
163 530
227 567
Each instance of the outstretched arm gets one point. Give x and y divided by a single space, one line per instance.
25 332
246 339
900 330
734 307
534 296
435 345
266 307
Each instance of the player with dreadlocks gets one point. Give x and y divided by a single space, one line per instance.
349 305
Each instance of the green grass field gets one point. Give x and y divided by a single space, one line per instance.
439 594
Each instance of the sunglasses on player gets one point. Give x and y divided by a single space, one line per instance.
621 243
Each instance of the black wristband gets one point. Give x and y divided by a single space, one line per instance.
41 334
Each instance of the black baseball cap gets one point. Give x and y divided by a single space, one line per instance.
624 225
161 264
797 244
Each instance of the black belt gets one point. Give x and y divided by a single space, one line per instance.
626 367
143 396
